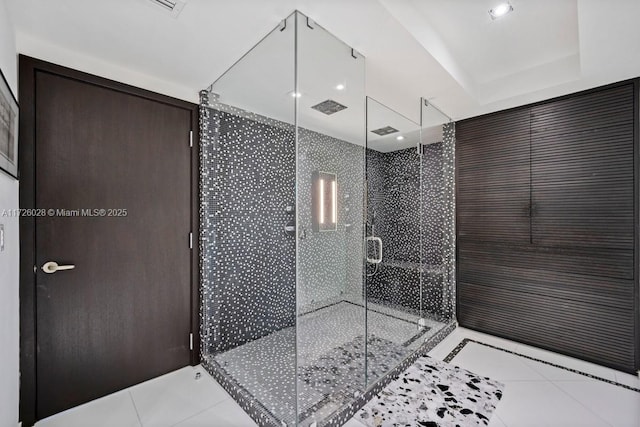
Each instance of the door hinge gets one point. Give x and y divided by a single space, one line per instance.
190 138
190 341
190 240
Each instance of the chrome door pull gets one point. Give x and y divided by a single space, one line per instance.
52 267
378 259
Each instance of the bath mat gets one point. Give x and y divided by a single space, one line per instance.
432 393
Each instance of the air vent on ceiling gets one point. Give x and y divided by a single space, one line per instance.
329 107
173 7
387 130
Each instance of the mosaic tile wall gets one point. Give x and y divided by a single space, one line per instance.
448 286
394 197
394 194
331 262
248 180
248 272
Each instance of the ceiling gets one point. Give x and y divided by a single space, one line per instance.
449 52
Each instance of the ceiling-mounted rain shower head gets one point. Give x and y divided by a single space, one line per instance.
387 130
329 107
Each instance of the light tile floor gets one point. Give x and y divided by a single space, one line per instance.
536 394
175 399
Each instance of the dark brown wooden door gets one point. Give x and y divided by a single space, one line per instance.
122 315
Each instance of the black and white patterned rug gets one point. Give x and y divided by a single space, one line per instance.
432 393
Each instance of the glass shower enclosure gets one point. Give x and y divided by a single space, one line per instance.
294 219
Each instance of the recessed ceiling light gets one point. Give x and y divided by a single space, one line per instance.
500 10
399 137
340 87
296 94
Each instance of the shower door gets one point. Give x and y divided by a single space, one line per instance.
410 237
394 260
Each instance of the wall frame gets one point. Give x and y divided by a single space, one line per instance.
9 114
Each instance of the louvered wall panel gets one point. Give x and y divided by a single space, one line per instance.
606 292
616 264
582 171
493 186
561 325
569 283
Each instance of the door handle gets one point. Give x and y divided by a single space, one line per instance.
378 259
52 266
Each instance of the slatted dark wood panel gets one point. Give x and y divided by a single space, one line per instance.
570 284
611 107
582 171
603 291
493 186
615 264
560 325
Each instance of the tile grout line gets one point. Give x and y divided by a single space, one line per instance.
200 412
637 377
465 341
495 414
552 382
463 344
580 403
135 408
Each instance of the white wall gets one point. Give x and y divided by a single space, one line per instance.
9 314
47 51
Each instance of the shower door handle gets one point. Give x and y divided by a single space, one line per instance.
378 259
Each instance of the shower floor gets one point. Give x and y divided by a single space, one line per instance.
331 358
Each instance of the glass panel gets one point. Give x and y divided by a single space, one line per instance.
330 184
394 262
248 228
438 214
290 328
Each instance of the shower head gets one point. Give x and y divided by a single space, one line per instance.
387 130
329 107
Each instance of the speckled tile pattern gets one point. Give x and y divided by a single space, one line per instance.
346 413
436 394
330 263
448 287
411 203
330 358
249 294
338 324
394 198
247 181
